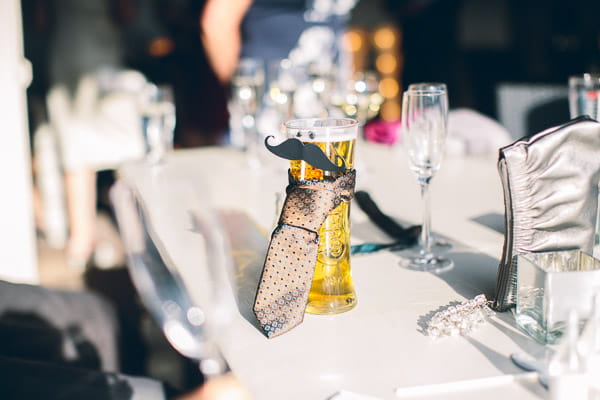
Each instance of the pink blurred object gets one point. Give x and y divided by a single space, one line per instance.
380 131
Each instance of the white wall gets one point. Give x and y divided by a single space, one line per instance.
18 258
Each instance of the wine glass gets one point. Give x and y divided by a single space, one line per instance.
320 82
247 87
439 243
360 99
157 109
284 79
424 120
428 86
366 87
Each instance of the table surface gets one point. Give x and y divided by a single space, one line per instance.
379 345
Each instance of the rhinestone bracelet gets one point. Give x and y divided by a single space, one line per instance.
461 319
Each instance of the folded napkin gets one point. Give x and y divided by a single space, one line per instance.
550 183
470 132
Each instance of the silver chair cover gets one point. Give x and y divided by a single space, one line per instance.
550 183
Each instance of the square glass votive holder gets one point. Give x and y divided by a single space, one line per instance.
549 285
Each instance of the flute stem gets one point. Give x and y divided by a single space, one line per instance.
426 227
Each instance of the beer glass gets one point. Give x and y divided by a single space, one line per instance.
332 288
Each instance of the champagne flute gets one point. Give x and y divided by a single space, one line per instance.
437 242
247 86
428 86
366 87
360 99
157 109
284 78
321 80
424 118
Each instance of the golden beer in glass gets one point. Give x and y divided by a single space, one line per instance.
332 289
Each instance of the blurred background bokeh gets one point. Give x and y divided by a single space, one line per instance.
471 45
484 50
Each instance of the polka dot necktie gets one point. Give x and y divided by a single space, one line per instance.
292 255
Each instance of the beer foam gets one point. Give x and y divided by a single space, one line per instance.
321 131
325 137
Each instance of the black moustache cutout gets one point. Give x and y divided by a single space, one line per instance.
294 149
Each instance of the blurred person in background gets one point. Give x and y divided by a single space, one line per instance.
305 35
93 123
83 54
270 30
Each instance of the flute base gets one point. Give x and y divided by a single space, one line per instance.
440 244
427 263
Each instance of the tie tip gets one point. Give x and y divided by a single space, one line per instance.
273 328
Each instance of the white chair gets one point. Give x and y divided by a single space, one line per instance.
97 127
190 329
528 108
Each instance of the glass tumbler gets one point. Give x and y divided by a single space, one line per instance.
157 109
332 289
549 286
584 95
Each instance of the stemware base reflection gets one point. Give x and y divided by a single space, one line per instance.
417 260
440 244
424 120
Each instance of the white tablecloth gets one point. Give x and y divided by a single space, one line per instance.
379 345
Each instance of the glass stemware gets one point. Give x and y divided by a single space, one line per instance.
284 78
321 80
437 242
157 109
428 86
360 99
247 87
366 87
424 120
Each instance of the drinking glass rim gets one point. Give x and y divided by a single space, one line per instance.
432 86
346 130
424 92
308 123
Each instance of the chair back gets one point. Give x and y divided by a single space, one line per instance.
160 285
528 108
